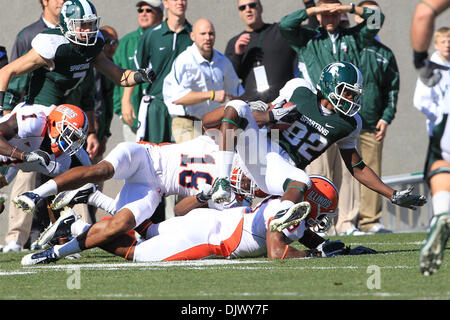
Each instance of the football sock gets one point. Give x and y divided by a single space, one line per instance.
78 227
68 248
441 202
225 162
47 189
102 201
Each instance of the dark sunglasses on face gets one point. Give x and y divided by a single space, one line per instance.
252 5
148 10
111 42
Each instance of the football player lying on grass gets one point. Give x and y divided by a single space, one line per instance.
41 139
240 232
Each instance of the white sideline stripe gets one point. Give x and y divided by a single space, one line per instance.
158 264
15 272
384 243
193 265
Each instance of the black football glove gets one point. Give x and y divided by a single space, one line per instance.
144 76
405 199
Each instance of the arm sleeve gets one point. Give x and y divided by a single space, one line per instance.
295 34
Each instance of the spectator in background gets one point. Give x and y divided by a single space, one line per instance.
381 86
201 80
158 48
262 58
149 14
3 58
315 49
434 102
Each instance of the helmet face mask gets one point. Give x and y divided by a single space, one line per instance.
341 83
323 197
67 129
79 22
243 186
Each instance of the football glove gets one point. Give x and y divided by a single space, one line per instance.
428 75
258 106
332 248
283 114
205 193
38 156
405 199
144 76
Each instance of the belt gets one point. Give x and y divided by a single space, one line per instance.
189 118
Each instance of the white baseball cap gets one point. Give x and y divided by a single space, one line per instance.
154 3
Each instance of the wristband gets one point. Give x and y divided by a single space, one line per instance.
213 95
352 10
419 58
200 199
91 132
2 97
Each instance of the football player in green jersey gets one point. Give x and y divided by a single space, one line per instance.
310 119
61 58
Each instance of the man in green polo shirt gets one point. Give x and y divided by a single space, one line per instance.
150 13
158 48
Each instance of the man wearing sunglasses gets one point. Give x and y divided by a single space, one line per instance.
260 55
149 13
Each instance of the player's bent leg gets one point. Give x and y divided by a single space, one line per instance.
237 116
107 230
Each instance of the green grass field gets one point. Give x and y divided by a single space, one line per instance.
391 274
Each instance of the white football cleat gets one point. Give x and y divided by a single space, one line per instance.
27 201
59 229
432 251
72 197
290 216
221 190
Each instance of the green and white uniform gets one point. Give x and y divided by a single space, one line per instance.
71 64
313 129
272 160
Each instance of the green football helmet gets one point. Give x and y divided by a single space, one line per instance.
79 22
340 77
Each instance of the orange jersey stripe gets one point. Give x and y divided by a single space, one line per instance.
205 250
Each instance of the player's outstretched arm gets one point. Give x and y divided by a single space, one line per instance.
278 247
371 180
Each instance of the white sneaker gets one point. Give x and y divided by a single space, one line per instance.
73 197
12 246
378 228
290 216
59 229
221 190
352 232
432 251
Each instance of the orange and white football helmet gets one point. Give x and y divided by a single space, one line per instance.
243 186
323 197
67 126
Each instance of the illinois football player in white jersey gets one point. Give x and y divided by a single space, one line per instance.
41 139
240 232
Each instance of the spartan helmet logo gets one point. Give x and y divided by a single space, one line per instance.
334 68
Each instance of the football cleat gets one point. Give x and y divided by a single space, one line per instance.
27 201
43 257
290 216
432 251
59 229
221 190
72 197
